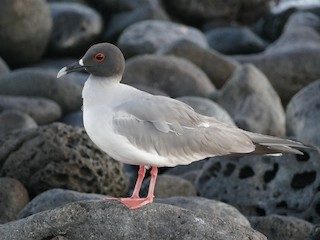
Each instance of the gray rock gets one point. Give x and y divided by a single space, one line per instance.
207 107
183 170
303 113
112 220
202 10
55 198
282 227
148 36
175 76
264 185
235 40
13 120
4 68
248 16
40 83
252 102
297 51
217 66
25 30
60 156
169 186
42 110
122 20
74 119
315 233
13 197
75 28
208 206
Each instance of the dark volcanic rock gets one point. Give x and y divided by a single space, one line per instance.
75 27
252 102
112 220
42 110
217 66
282 227
60 156
25 30
175 76
13 197
148 36
264 185
40 83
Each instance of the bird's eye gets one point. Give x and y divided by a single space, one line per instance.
99 57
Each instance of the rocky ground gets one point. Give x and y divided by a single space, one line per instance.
254 64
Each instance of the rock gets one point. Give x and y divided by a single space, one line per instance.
303 113
39 83
113 6
252 102
235 40
101 220
12 120
4 68
247 16
55 198
24 23
60 156
13 197
169 186
42 110
74 119
315 233
297 51
148 36
175 76
282 227
75 28
208 206
202 10
186 171
217 66
122 20
264 185
207 107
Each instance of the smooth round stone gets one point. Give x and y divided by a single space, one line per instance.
75 28
13 120
74 119
149 36
42 110
235 40
4 68
175 76
40 83
13 197
207 107
25 30
218 67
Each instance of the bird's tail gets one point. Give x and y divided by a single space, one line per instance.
274 146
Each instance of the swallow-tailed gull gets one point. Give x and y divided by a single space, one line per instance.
138 128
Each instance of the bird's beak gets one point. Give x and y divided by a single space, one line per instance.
77 66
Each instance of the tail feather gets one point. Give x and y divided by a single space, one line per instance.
273 145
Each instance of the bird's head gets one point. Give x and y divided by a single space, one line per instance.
102 60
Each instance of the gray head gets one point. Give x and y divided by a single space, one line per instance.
102 60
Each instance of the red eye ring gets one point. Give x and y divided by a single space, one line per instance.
99 57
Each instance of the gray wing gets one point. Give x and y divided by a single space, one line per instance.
175 131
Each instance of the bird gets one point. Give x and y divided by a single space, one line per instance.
151 131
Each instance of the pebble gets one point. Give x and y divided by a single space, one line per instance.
148 36
175 76
13 197
25 31
42 110
75 28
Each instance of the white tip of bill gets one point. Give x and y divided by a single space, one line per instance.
62 72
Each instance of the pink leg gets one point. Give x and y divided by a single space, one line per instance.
135 201
141 174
